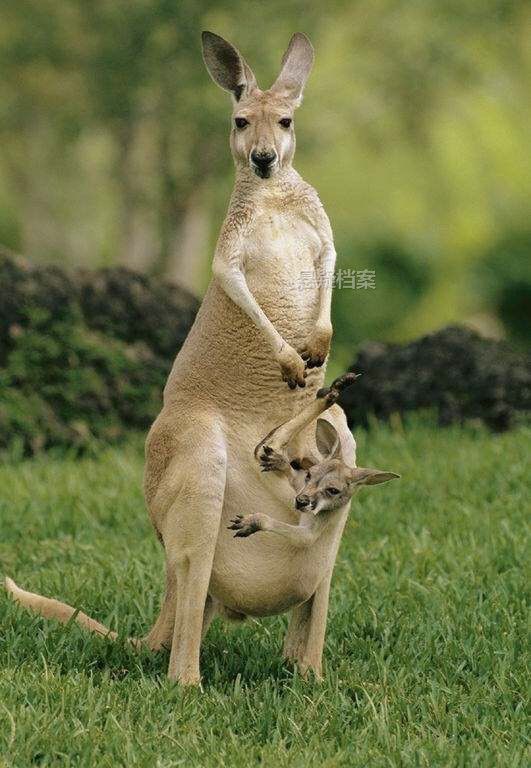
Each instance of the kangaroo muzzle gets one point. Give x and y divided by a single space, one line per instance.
302 501
263 163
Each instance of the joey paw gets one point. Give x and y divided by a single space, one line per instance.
245 526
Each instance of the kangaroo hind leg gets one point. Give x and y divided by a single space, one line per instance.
305 637
194 493
271 451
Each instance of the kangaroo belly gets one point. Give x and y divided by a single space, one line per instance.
260 577
264 575
254 597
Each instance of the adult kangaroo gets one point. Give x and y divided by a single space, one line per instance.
254 357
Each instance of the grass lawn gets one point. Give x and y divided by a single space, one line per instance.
426 646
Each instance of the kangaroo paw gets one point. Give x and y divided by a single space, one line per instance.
271 460
245 526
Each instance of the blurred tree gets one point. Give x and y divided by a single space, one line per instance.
42 109
504 284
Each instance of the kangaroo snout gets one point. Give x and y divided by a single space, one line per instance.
263 162
302 501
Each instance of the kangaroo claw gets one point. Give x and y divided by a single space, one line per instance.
244 526
337 386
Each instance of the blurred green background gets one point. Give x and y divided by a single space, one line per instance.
414 129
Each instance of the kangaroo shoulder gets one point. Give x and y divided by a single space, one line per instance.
237 220
310 206
306 198
309 194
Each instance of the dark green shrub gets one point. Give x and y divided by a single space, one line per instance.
32 296
62 382
456 372
129 306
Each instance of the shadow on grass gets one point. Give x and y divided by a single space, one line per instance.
249 653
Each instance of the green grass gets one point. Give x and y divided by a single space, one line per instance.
426 646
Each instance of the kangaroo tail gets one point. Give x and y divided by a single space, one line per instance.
54 609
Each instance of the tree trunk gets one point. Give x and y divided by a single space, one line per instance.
188 253
135 237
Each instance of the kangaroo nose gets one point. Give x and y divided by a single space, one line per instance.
263 159
302 501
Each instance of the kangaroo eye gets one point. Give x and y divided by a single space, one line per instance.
285 122
332 491
240 122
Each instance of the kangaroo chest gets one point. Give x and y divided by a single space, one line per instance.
281 265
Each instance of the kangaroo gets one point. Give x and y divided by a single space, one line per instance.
254 358
321 485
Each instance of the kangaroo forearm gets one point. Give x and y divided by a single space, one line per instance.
327 265
297 535
233 282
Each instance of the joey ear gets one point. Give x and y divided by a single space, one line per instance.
327 440
363 476
226 66
296 66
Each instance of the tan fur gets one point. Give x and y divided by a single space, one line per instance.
226 391
54 609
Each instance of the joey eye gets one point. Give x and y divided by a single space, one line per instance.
240 122
308 477
333 491
285 122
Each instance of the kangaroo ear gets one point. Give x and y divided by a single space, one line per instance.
327 440
363 476
296 66
226 66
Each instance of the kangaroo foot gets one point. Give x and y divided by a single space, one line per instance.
310 668
332 392
271 460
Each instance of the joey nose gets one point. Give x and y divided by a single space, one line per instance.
302 501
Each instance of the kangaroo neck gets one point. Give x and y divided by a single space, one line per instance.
251 188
